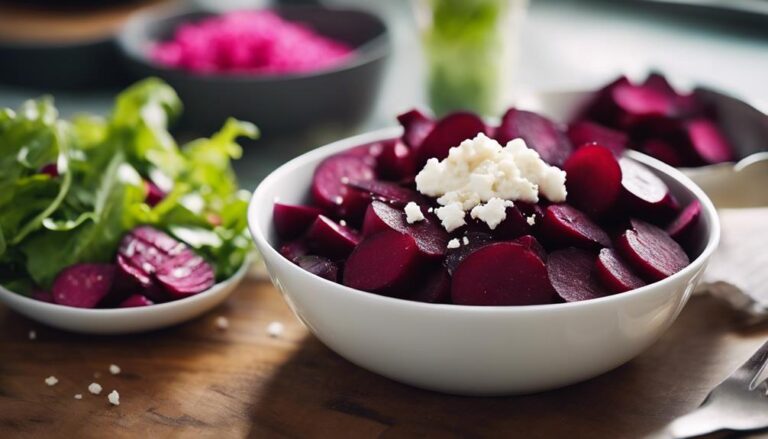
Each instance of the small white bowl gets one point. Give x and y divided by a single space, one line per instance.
474 350
122 320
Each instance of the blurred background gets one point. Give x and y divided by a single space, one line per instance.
443 54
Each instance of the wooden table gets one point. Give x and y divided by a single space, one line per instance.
199 381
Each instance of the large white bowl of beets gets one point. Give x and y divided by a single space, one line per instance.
554 294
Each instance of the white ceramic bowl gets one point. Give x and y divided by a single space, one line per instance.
474 350
122 320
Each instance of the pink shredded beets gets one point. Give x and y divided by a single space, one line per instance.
255 42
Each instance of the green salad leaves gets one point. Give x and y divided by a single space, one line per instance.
70 189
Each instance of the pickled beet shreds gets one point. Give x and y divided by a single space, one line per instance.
256 42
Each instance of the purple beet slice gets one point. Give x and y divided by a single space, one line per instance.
644 193
514 225
319 266
384 263
614 273
658 82
475 241
185 274
329 185
664 151
449 131
329 238
292 220
154 194
435 289
708 141
593 180
566 226
651 251
142 251
682 227
430 237
539 133
294 249
416 127
532 244
584 132
396 162
135 301
388 192
83 285
51 169
639 102
503 273
571 272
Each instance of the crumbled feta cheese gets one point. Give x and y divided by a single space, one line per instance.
465 240
51 380
94 388
114 398
275 329
32 335
114 369
78 396
479 170
343 223
454 243
413 213
222 323
531 220
344 180
492 213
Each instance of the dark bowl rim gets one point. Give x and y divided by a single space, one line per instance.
377 48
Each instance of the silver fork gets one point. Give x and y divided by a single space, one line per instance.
739 403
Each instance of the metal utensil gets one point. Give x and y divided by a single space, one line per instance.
739 403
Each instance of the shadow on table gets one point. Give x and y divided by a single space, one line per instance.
318 394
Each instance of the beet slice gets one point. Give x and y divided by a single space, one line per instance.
142 251
329 185
593 180
51 169
681 229
658 82
651 251
435 289
294 249
644 193
566 226
640 102
539 133
708 141
532 244
389 192
664 151
135 301
502 273
383 263
185 274
584 132
475 241
416 127
329 238
154 194
396 162
571 272
430 237
319 266
293 220
614 273
83 285
449 132
514 225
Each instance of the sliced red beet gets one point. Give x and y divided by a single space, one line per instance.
294 249
435 289
416 127
593 179
664 151
682 227
293 220
514 225
566 226
651 251
533 244
640 102
142 251
388 192
396 162
430 237
384 263
367 153
329 238
319 266
135 301
42 296
658 82
185 274
502 273
475 241
50 169
708 141
644 193
614 273
154 194
83 285
449 131
585 132
571 272
539 133
329 185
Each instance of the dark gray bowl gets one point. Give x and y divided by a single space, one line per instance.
338 97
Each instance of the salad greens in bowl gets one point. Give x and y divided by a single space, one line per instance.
110 212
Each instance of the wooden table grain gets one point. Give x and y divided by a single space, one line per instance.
196 380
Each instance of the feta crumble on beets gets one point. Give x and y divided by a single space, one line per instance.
114 398
94 388
413 213
51 381
454 243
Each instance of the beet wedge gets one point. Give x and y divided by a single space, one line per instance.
571 272
449 131
645 194
651 251
292 220
416 127
330 190
566 226
430 237
385 263
593 180
185 274
319 266
83 285
539 133
614 273
329 238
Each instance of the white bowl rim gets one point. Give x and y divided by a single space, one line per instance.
74 312
392 132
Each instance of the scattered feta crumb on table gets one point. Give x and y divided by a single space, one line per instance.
32 335
454 243
114 398
78 396
275 329
114 369
94 388
51 380
222 323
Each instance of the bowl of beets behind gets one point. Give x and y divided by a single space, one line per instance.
339 95
555 294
